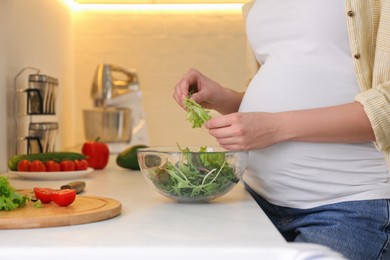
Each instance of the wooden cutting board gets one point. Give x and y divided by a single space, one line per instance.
85 209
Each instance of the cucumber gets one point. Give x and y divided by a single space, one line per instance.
55 156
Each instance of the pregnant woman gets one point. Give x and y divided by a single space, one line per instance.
315 119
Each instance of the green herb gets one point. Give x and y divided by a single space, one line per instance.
38 204
196 114
9 198
197 175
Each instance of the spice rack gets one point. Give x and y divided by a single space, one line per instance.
35 113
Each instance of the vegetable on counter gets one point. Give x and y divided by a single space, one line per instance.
43 157
36 166
62 198
128 157
196 114
24 165
97 154
52 166
67 166
198 175
81 165
9 198
43 194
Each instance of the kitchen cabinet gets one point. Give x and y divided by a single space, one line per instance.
154 227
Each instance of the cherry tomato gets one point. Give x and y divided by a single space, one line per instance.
37 166
52 166
81 165
97 154
24 166
67 166
64 197
43 194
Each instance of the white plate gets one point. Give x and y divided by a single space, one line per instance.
64 175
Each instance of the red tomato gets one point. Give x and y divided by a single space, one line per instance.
97 154
81 165
24 166
67 166
43 194
52 166
37 166
64 197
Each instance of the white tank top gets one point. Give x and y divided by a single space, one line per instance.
306 62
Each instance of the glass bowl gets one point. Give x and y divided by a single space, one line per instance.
195 174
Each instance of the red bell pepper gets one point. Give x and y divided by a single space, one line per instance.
97 154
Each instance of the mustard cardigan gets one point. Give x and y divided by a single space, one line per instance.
369 34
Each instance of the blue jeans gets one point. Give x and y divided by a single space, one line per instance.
356 229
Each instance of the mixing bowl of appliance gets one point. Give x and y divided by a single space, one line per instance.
110 124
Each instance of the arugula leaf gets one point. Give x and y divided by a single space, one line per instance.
196 114
212 159
9 198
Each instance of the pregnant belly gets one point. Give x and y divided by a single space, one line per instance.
280 87
299 168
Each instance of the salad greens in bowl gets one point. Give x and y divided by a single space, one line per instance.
192 174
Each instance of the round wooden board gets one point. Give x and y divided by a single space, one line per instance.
85 209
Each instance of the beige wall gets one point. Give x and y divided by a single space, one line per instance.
34 33
161 46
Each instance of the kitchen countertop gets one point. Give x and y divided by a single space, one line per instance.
152 226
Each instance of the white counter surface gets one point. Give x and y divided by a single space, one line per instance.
153 227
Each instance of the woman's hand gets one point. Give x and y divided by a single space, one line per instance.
206 92
245 131
201 87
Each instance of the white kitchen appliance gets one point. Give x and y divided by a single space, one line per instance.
118 117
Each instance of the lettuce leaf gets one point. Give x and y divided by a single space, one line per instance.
196 114
9 198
